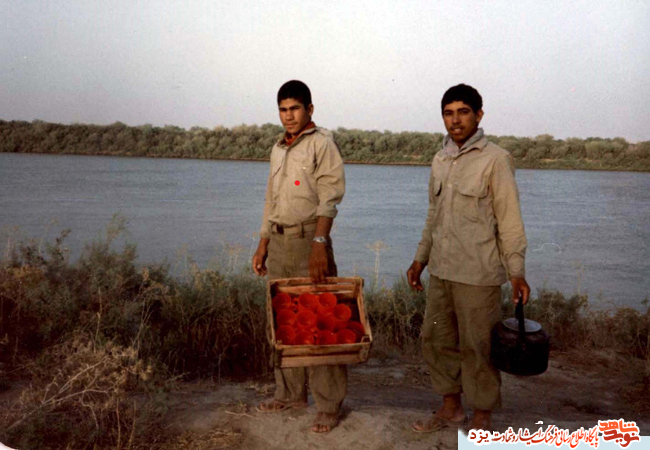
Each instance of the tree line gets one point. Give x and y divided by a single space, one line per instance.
255 142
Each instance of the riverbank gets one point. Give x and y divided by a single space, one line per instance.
389 393
384 397
109 354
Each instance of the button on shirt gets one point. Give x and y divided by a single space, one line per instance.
474 233
306 180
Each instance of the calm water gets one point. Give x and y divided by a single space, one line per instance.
587 231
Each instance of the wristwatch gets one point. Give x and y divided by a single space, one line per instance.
320 239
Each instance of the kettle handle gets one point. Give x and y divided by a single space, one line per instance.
519 314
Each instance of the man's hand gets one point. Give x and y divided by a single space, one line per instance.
520 288
413 275
259 258
318 267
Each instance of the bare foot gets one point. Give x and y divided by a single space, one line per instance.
450 414
482 420
455 415
324 422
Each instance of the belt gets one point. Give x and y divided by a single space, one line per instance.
287 229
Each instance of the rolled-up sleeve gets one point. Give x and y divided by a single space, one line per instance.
511 236
330 178
424 247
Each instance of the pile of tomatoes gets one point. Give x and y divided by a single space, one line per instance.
314 319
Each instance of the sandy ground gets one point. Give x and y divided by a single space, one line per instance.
386 395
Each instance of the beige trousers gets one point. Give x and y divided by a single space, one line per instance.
289 257
456 341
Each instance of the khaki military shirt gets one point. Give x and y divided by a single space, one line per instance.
474 233
306 180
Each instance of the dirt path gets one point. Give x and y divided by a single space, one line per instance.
385 396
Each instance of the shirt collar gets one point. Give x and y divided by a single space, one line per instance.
287 139
451 150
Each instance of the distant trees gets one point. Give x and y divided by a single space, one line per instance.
255 142
387 147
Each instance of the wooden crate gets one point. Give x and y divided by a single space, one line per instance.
348 291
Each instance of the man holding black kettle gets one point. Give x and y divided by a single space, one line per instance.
473 241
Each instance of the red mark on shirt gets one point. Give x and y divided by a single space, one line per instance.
297 183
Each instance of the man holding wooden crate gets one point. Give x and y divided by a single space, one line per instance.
306 182
473 241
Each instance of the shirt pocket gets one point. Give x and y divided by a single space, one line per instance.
473 201
305 162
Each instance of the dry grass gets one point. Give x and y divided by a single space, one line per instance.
91 336
396 317
79 383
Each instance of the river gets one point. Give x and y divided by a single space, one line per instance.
588 232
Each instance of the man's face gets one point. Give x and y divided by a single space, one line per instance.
461 121
293 115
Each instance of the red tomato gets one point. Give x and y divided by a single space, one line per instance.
282 300
342 312
306 318
285 317
286 335
340 325
325 322
357 327
327 299
308 301
304 338
346 337
325 310
327 338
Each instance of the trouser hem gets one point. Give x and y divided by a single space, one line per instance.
328 407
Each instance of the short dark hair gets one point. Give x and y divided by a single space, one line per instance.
462 93
297 90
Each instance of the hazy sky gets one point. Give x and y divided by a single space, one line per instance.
566 68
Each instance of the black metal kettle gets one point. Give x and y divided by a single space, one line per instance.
520 346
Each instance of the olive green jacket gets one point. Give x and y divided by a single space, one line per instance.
474 233
306 180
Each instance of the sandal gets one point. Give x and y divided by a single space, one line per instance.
273 406
325 420
437 423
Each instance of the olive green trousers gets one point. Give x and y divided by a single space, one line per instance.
456 341
288 257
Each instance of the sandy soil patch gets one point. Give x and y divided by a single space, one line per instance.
385 396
